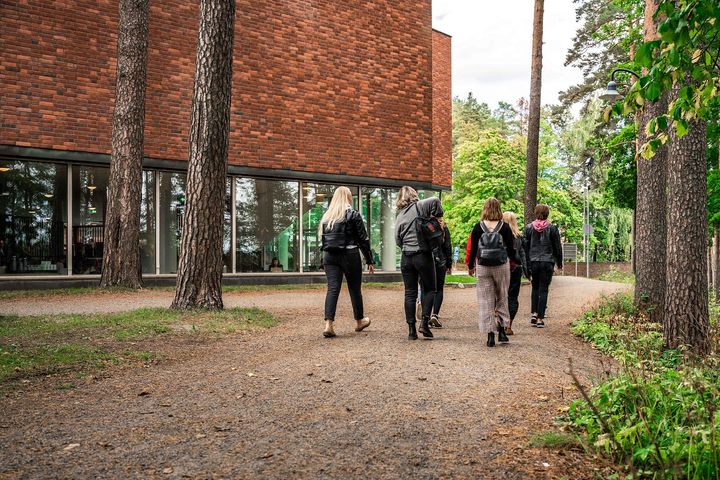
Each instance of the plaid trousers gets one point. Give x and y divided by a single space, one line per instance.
492 296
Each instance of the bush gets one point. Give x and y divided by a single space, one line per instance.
659 413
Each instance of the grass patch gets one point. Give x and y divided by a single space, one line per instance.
460 279
37 345
555 440
660 413
618 276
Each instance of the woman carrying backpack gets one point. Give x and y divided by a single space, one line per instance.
543 251
491 245
417 263
517 268
343 238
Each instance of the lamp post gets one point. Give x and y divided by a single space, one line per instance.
611 94
587 229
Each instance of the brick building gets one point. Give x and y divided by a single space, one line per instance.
325 93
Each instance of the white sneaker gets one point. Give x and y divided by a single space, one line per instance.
362 324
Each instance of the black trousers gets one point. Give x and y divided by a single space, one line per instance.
440 271
514 291
542 273
418 267
345 263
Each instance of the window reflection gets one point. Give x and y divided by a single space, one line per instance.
172 208
147 223
89 199
378 209
267 225
33 218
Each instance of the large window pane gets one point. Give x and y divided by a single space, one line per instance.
89 199
378 210
172 207
227 229
33 218
267 225
147 223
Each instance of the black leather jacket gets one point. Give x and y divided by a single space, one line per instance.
346 234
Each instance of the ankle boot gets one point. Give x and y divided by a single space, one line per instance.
362 324
425 328
412 333
491 339
502 336
329 330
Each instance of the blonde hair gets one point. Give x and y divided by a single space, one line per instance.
341 200
491 210
406 196
511 220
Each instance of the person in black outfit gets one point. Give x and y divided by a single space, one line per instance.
417 263
543 252
344 236
443 265
518 267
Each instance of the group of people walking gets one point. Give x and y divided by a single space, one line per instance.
498 254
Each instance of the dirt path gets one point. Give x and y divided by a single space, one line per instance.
286 403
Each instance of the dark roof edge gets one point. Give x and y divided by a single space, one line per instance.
441 33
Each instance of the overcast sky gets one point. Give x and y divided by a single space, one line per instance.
491 47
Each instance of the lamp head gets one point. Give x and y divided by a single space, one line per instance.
611 95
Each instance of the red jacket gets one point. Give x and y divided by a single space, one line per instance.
467 253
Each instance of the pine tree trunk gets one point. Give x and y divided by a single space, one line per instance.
650 235
686 303
533 142
201 263
121 257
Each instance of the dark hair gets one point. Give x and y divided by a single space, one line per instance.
542 212
491 210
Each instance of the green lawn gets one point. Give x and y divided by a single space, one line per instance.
38 345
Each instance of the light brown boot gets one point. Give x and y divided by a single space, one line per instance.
329 331
362 324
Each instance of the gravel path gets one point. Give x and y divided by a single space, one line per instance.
286 403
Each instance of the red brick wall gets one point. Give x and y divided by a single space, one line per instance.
441 110
319 85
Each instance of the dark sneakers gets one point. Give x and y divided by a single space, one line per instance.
435 322
425 329
540 323
533 319
491 339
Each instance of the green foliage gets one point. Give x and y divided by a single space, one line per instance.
621 184
659 413
555 440
713 205
618 276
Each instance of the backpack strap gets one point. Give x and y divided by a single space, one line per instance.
484 228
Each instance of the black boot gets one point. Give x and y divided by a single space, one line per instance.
425 328
502 336
412 333
491 339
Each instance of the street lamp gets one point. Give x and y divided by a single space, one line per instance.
612 95
587 228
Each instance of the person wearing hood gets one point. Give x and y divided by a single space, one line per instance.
543 252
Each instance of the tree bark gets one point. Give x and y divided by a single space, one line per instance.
533 143
686 303
121 258
650 234
201 262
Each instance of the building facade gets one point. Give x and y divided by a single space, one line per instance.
325 94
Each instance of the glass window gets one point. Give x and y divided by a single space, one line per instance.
89 199
267 225
147 223
172 207
227 228
378 210
33 218
316 199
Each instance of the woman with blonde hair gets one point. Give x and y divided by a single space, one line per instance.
343 235
417 263
517 268
491 245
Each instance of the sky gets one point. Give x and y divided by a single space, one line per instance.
491 47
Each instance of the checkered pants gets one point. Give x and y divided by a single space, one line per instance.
492 296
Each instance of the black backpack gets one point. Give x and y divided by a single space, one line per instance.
429 231
491 247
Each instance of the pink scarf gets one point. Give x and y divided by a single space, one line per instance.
540 225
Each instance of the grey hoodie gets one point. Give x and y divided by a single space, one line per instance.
406 235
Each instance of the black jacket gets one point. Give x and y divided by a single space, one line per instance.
443 255
543 246
346 234
507 237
